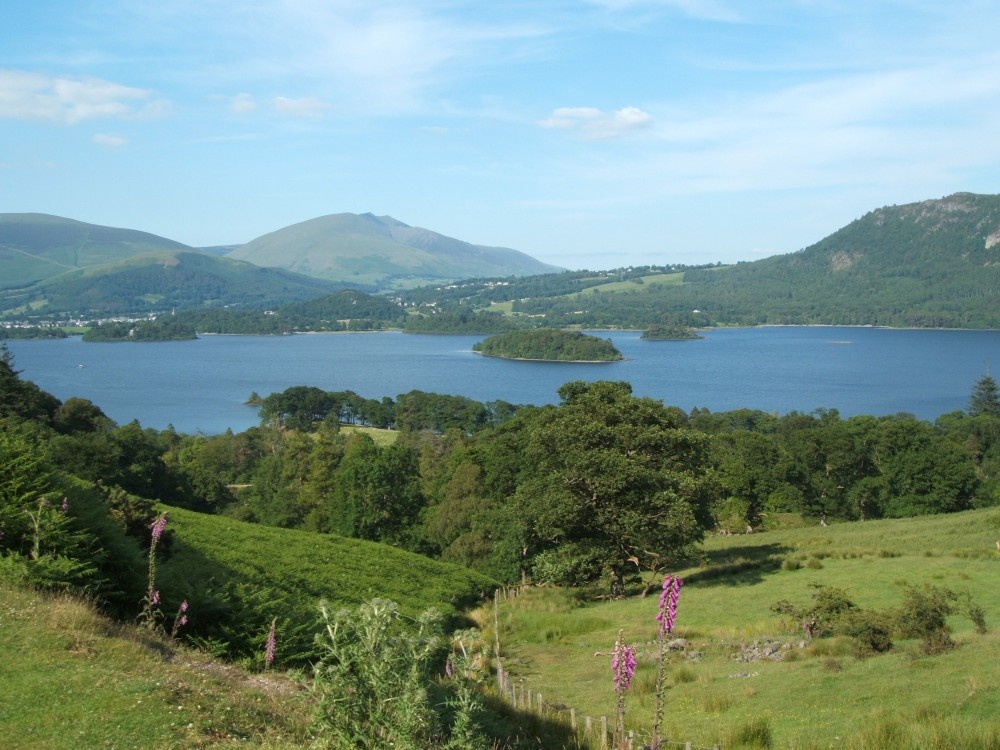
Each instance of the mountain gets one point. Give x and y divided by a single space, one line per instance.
935 263
34 247
379 252
932 264
162 281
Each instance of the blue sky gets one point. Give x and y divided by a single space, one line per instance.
589 134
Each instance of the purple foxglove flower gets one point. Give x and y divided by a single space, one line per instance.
271 646
157 526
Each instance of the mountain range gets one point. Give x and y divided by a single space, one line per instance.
934 263
54 264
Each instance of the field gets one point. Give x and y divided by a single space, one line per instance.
72 679
817 694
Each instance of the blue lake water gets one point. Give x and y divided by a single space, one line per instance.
201 385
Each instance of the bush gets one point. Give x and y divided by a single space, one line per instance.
871 631
924 614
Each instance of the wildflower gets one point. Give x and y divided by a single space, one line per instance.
157 526
271 645
623 665
65 505
667 612
154 598
180 619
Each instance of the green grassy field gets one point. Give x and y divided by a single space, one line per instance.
631 285
819 694
72 679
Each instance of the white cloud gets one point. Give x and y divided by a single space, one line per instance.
109 141
36 96
242 103
309 106
594 124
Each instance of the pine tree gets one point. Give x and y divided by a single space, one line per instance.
985 398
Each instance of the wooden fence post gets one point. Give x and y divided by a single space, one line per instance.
572 719
604 733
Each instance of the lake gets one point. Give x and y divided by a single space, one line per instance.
201 386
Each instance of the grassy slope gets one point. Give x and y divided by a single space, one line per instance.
72 679
819 697
342 570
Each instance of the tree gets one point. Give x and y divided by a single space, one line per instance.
609 484
376 494
985 398
22 398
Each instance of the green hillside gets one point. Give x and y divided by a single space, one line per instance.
381 252
930 264
34 247
246 574
162 281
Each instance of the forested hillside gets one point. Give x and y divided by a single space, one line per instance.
929 264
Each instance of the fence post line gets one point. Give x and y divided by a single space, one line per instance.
604 732
590 725
572 718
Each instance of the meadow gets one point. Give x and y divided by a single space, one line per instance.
727 688
73 678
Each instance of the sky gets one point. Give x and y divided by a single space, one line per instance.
590 134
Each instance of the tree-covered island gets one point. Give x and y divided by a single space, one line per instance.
662 332
549 345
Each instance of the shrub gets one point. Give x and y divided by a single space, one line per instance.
923 615
871 631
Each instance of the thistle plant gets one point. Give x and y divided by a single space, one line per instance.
666 615
623 664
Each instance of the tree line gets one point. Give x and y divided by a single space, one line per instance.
601 486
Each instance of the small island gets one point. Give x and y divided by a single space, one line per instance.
664 332
549 345
141 330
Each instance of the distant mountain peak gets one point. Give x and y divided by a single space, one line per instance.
381 252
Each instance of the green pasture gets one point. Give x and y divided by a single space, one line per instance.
631 285
72 679
818 694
